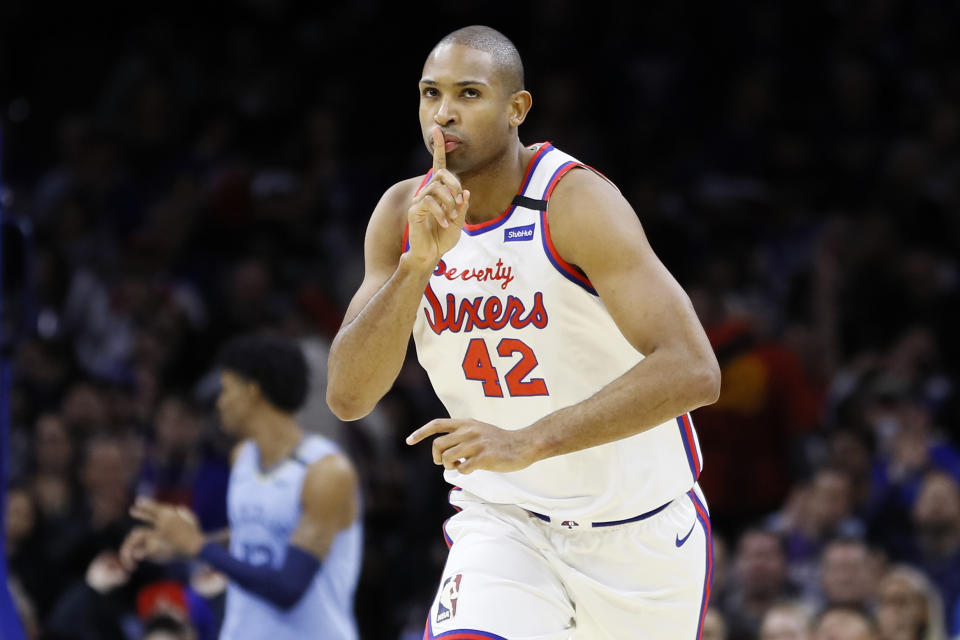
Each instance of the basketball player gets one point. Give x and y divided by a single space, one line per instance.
568 359
295 536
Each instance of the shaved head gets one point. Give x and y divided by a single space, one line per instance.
501 49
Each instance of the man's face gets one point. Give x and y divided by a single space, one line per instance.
901 609
760 564
938 506
845 574
235 402
462 93
843 625
784 625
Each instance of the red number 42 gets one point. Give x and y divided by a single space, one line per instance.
477 366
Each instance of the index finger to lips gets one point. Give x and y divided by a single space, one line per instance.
439 153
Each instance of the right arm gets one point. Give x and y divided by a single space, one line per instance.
368 351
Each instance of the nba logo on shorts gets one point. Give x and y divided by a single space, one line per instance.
449 593
569 524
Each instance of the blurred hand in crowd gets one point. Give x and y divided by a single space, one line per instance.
106 573
143 543
177 526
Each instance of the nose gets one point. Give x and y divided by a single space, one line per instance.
444 115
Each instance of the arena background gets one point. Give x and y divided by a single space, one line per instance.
187 172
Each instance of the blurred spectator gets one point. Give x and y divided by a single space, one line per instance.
760 580
165 627
909 450
815 513
94 608
936 534
849 452
54 482
85 409
26 561
767 404
721 569
844 623
848 574
25 609
788 620
714 626
908 606
101 521
180 469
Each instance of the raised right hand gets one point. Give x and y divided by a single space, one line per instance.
438 211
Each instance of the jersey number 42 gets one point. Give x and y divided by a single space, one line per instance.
477 366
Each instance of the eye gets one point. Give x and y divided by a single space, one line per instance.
470 92
428 92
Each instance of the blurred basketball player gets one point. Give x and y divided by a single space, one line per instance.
568 359
295 534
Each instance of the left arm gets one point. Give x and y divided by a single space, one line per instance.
594 227
329 505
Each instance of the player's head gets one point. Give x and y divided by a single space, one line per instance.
472 87
260 372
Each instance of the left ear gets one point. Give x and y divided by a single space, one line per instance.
518 107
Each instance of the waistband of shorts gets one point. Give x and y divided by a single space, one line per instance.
570 524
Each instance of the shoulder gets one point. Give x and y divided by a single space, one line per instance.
396 200
237 449
587 210
331 473
385 229
582 186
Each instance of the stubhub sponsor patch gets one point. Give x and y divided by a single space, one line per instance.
515 234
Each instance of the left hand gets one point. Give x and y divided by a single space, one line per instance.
470 445
176 525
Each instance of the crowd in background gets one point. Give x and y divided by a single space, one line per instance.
188 176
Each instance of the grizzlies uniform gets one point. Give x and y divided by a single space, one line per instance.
616 534
264 509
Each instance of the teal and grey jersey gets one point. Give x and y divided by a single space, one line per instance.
264 509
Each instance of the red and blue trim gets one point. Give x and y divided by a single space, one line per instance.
567 270
555 178
424 182
704 517
690 445
490 225
459 634
446 536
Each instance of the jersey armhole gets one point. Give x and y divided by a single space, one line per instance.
569 271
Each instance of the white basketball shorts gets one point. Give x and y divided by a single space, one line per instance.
515 575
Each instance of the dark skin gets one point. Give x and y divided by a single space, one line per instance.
592 226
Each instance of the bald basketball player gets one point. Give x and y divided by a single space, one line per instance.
567 357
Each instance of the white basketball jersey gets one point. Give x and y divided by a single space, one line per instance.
509 332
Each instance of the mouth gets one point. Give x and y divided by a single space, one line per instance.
451 142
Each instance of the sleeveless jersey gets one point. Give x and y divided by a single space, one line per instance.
509 332
264 508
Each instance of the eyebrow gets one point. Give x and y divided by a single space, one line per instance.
462 83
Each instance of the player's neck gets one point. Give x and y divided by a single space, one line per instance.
493 187
276 435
